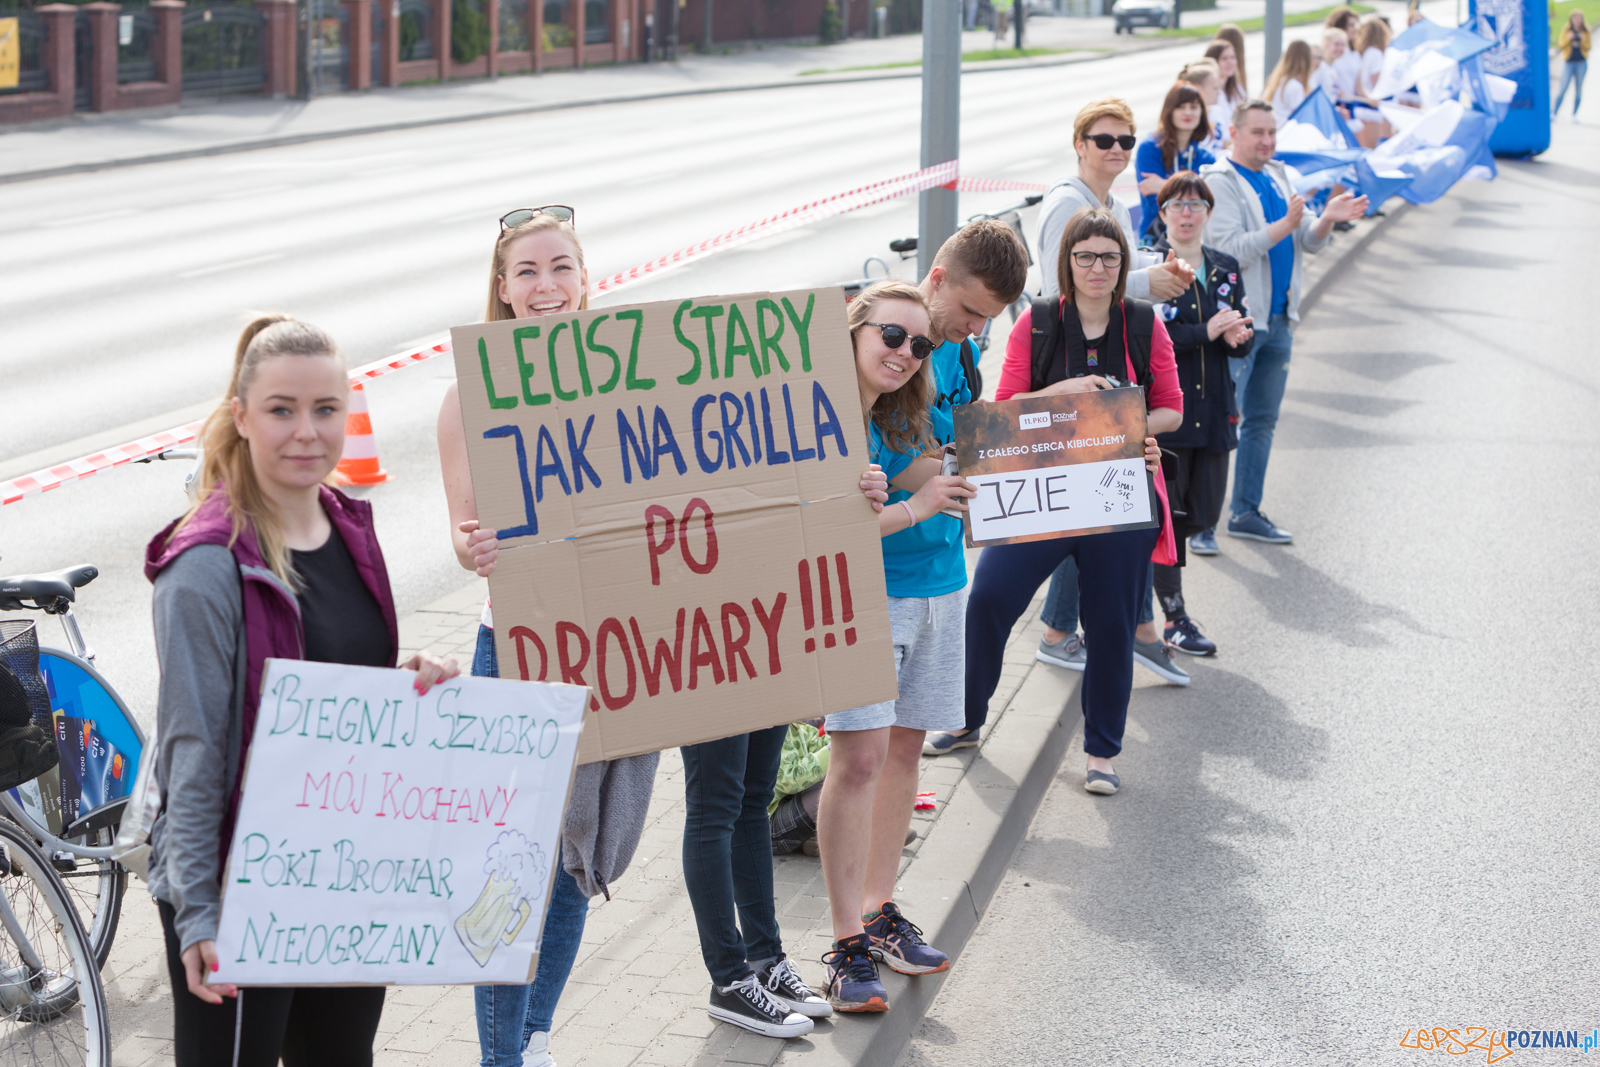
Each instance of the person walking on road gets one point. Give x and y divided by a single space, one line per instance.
269 562
1102 135
1086 336
910 386
1573 47
537 269
1210 329
1261 222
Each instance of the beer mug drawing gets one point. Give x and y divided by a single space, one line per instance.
517 869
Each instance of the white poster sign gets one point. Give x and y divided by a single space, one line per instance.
1042 500
389 838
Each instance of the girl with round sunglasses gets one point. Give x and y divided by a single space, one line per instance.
1104 334
537 269
875 751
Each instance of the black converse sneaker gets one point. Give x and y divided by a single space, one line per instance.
782 980
746 1003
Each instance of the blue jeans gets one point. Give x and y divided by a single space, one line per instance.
727 850
1573 73
1259 380
1060 610
509 1014
1113 569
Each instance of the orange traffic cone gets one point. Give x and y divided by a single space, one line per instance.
359 464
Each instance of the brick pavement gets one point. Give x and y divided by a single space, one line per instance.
638 992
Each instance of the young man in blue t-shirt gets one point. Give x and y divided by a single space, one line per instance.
870 790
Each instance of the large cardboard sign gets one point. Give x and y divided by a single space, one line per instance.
1055 466
676 491
389 838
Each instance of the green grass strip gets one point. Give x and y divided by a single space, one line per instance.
1304 18
983 56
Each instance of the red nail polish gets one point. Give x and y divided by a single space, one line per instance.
216 966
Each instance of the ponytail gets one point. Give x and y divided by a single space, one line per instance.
225 464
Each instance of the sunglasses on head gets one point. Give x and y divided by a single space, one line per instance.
1104 141
512 219
895 336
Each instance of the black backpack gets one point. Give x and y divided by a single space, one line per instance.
969 367
1049 334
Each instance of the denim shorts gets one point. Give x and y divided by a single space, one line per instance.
930 661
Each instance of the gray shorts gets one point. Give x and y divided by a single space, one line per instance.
930 660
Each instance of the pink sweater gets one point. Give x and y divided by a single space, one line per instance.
1016 376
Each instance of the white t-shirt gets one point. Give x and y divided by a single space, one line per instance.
1347 69
1371 69
1290 95
1221 116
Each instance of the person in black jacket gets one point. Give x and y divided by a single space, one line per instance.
1209 324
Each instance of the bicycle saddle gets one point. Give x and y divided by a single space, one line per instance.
45 589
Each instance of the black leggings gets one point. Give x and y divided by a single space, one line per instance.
330 1026
1197 481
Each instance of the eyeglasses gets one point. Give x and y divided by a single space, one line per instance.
512 219
1112 260
895 336
1191 207
1104 141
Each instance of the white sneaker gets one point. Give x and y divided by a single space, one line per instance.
537 1054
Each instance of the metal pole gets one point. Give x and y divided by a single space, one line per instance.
941 122
708 26
1273 44
1020 10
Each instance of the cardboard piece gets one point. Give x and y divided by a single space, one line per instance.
1056 466
676 488
389 838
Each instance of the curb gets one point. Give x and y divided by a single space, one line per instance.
255 144
984 821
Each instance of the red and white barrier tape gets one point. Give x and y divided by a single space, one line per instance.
944 174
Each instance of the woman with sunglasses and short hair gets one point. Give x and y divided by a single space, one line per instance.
537 269
875 751
1102 135
1209 324
1104 334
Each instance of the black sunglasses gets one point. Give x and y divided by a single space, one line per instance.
1104 141
513 219
895 336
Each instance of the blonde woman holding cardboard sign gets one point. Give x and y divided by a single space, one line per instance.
269 562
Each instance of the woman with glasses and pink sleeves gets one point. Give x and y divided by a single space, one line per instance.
1209 324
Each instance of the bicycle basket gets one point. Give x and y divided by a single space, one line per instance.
27 736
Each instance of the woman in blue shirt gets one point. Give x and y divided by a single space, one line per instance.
1175 146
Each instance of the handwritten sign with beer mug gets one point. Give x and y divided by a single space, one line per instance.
389 838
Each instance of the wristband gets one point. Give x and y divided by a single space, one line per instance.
909 512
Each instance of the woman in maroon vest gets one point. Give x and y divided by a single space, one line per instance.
270 562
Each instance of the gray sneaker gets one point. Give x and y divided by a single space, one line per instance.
1156 656
1067 652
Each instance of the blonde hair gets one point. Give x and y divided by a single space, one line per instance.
1196 72
1372 33
498 310
1107 107
1296 63
901 416
225 456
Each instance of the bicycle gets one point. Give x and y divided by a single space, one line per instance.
72 812
52 1003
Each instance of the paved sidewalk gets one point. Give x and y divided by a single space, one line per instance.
199 126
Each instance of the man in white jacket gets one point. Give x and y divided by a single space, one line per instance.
1263 223
1108 120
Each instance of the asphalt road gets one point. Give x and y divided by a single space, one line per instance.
1375 810
122 292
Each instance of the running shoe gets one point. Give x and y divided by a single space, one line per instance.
1155 656
1254 526
1204 543
939 744
783 981
853 983
1183 635
746 1003
897 942
1067 652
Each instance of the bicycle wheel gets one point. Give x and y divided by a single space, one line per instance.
96 888
52 1006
